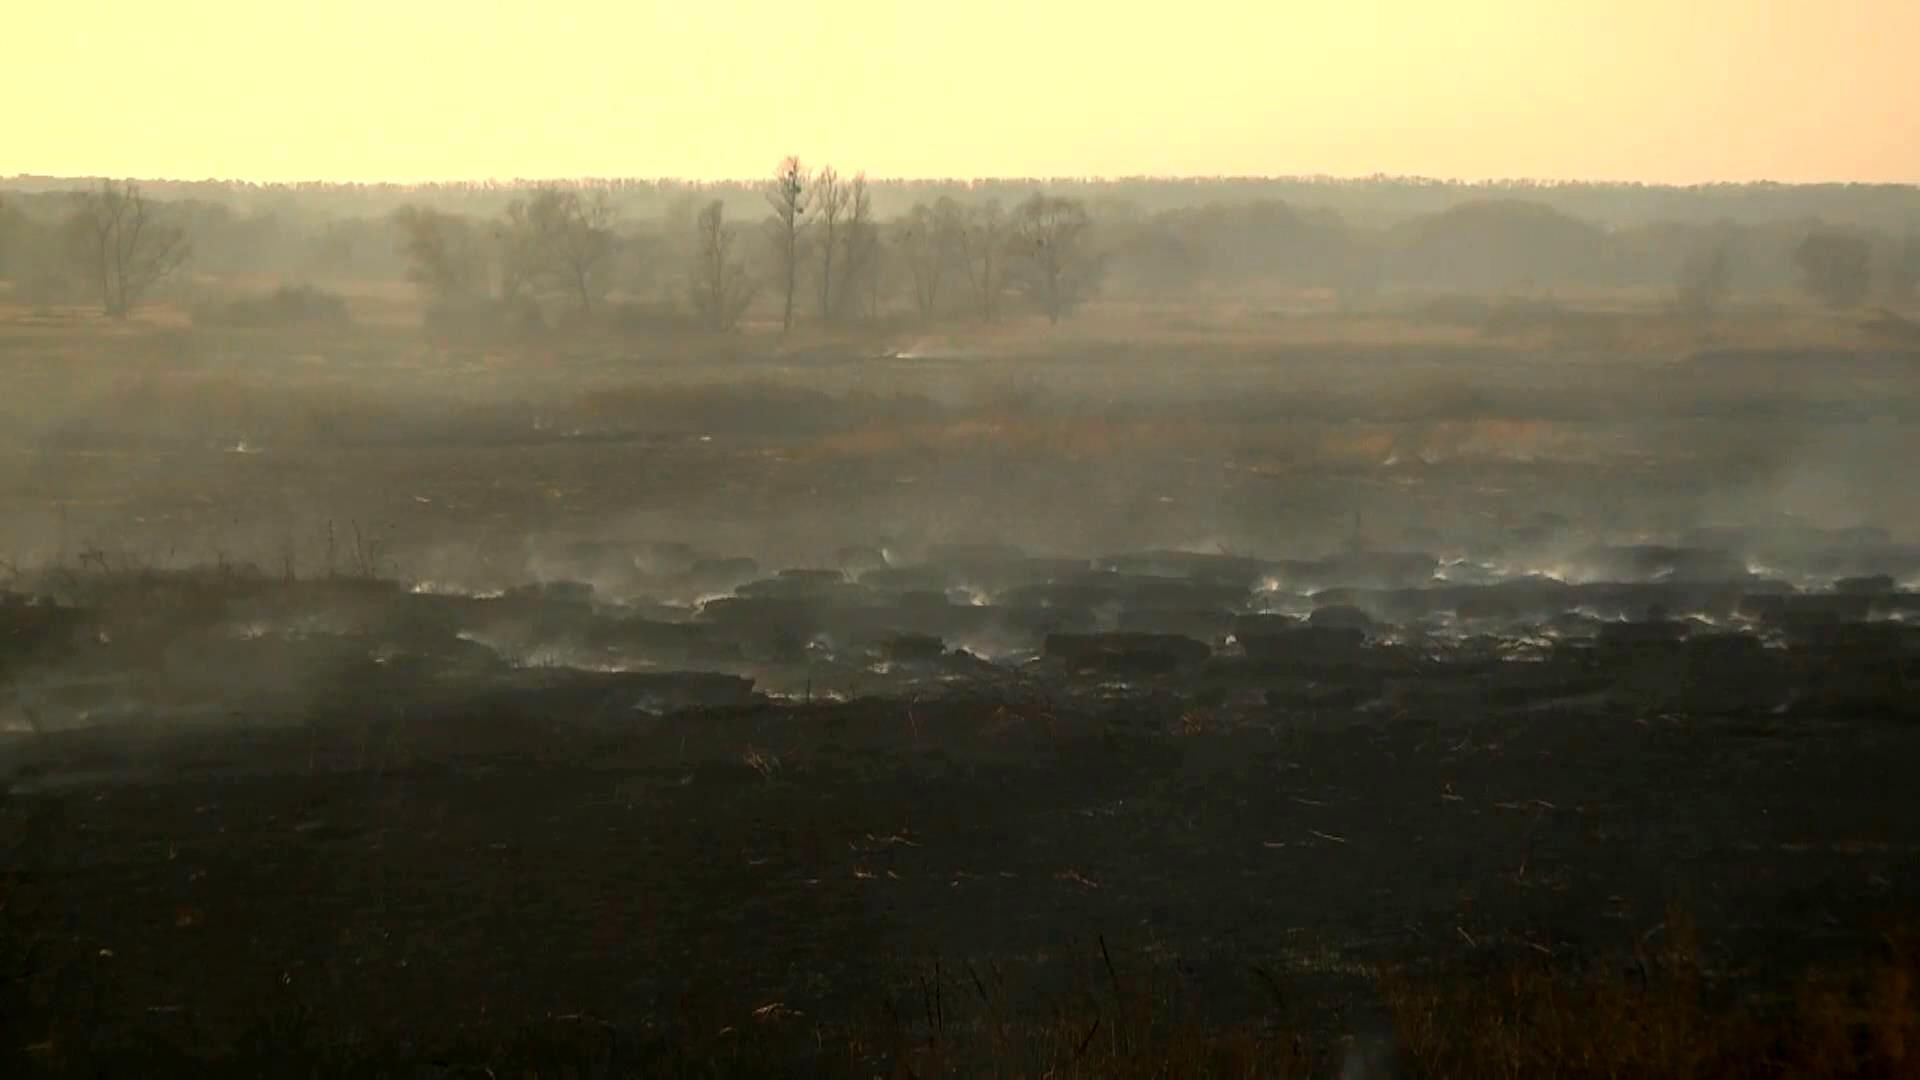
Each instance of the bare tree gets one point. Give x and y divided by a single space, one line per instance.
1836 267
984 248
860 248
722 289
1903 276
830 197
879 276
444 256
516 251
559 241
1049 238
581 239
789 194
932 240
1705 279
120 246
36 258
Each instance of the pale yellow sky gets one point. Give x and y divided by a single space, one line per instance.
1658 90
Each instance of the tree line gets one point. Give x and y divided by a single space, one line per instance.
1372 202
818 253
812 245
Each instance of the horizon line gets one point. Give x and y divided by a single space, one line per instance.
1090 179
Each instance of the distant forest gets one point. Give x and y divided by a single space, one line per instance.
830 246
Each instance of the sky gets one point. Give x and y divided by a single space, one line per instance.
1668 91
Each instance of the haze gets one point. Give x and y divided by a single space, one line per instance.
1791 90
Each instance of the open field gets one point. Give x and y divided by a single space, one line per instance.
1225 691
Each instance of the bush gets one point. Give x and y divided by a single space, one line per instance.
289 305
644 319
45 290
1471 312
482 319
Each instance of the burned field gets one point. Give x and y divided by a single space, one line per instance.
694 737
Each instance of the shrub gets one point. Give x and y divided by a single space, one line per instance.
478 319
286 306
642 319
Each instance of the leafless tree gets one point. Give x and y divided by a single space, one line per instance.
1836 266
516 251
1705 279
121 247
444 257
583 242
830 196
722 289
932 241
984 244
1903 276
1049 237
560 241
789 193
860 248
879 277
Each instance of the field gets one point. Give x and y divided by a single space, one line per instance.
1227 690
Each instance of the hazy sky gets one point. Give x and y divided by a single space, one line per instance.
1666 90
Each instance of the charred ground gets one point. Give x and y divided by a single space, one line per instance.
388 706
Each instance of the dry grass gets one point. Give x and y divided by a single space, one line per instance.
1620 324
1657 1017
1113 1022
